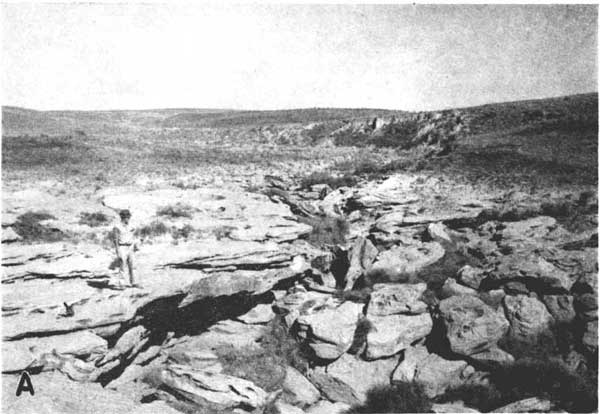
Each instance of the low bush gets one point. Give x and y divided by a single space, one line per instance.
394 135
265 365
176 211
361 295
29 227
278 341
529 377
154 229
96 219
554 342
398 398
183 233
373 167
263 368
351 139
222 232
326 231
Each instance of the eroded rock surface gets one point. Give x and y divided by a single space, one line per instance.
391 334
329 332
235 272
528 316
210 389
391 299
471 325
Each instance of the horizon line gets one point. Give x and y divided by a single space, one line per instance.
294 109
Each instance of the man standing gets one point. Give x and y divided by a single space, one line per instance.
125 246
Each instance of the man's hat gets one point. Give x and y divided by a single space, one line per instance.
125 214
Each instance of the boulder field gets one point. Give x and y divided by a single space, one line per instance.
424 289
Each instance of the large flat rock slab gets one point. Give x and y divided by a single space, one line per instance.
33 293
56 394
238 215
92 306
27 353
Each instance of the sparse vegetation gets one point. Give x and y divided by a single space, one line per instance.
176 211
95 219
222 232
255 364
183 233
539 370
278 341
30 228
397 398
153 229
265 364
529 377
326 231
552 343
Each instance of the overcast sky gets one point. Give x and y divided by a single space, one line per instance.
120 56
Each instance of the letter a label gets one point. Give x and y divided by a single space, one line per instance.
25 384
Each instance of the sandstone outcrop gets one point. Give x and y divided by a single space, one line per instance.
210 389
393 333
329 332
391 299
471 325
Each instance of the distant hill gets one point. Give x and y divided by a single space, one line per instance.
490 117
261 118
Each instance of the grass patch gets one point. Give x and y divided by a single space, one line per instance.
265 366
397 398
551 343
528 377
539 371
375 165
357 295
96 219
223 232
258 365
154 229
176 211
326 231
28 226
278 341
183 233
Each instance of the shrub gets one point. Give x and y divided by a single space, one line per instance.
361 295
28 226
176 211
184 232
397 134
351 139
546 378
322 177
326 231
363 164
156 228
278 341
484 397
529 377
552 343
263 368
222 232
367 166
96 219
265 365
398 398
